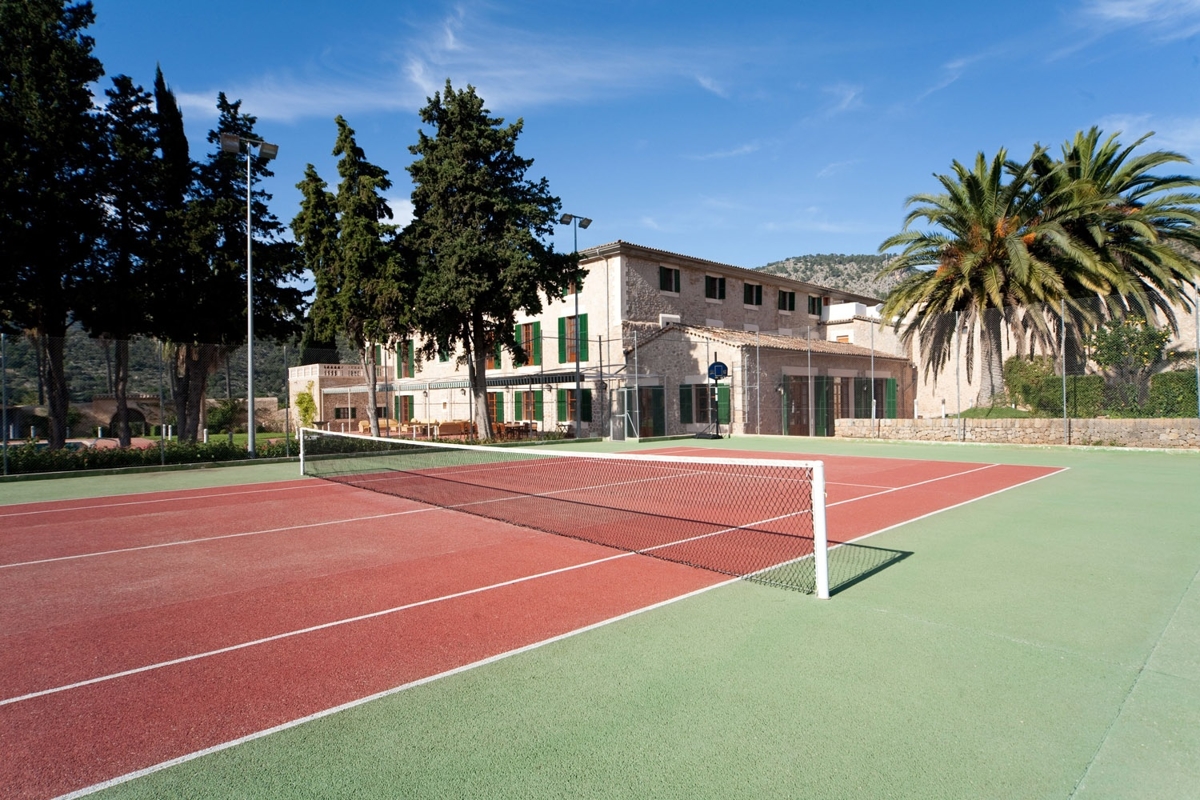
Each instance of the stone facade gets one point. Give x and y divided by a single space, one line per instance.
1172 433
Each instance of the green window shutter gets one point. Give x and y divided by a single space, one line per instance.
583 338
562 405
723 405
499 407
890 392
586 408
499 354
562 340
396 407
412 348
539 409
685 403
537 344
747 293
517 339
518 406
658 411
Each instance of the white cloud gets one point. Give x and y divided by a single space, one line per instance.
712 86
1167 19
512 68
402 210
651 223
836 166
741 150
1181 134
846 96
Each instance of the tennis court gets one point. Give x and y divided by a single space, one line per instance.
145 628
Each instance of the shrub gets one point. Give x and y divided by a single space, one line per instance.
32 457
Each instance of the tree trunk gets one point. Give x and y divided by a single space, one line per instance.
477 374
189 379
57 399
991 358
120 391
367 355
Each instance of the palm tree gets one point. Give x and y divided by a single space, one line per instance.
996 246
1141 226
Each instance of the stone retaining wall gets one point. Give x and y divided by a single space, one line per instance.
1106 432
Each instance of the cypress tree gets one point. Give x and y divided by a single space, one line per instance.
477 236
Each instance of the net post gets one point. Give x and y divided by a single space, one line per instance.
302 430
820 536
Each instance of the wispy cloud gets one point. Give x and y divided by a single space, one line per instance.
712 86
836 166
402 210
741 150
1166 19
846 96
512 68
651 223
1181 134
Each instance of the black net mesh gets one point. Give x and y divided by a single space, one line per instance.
745 518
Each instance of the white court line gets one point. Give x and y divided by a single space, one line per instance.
301 631
203 539
380 695
157 500
912 485
464 668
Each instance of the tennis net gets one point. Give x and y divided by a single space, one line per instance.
759 519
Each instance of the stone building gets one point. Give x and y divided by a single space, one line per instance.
650 318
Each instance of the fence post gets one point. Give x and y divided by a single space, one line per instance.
962 429
4 393
1062 346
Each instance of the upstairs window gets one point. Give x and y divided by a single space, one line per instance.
787 301
529 335
814 305
752 294
714 287
668 280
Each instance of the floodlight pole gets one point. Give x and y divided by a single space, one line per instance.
232 143
575 221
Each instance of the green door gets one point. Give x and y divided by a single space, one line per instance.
823 405
653 412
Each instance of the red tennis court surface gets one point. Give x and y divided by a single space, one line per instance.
140 629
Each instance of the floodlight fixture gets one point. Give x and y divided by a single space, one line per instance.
576 222
566 219
231 143
268 151
583 223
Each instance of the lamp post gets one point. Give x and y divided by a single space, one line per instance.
232 143
576 222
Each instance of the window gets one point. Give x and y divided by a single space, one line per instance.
714 287
345 412
529 336
572 288
404 407
527 405
406 358
570 331
566 405
668 280
443 356
787 301
380 412
493 359
844 338
752 294
698 400
814 306
495 403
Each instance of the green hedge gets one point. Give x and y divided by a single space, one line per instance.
1033 384
29 457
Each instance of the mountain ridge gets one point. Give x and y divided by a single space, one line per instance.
856 273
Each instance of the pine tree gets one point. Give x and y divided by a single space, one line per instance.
50 165
477 236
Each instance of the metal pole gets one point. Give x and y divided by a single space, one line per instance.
757 384
1062 346
578 377
874 424
603 385
1196 308
249 318
637 395
812 413
820 534
287 412
958 376
162 416
4 393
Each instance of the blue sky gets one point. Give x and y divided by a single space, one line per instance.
742 133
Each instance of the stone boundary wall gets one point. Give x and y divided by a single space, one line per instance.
1181 432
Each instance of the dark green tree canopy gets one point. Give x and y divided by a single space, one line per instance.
478 226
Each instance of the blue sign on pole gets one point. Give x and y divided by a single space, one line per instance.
718 370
